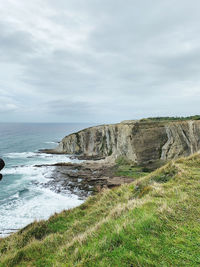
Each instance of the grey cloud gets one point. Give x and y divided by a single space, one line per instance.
7 105
15 45
66 107
103 60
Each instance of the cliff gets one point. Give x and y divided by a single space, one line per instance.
139 141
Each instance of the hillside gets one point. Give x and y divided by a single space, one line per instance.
153 221
141 141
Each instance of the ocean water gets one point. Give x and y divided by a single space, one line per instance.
23 198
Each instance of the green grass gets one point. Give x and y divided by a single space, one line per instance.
130 171
125 167
154 119
154 221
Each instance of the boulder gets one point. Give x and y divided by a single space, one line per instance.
2 164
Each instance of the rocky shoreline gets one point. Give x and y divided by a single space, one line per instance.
144 143
83 179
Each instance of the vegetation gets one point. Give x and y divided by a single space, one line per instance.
153 221
154 119
125 167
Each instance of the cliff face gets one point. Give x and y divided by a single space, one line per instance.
140 142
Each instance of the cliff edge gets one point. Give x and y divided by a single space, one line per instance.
139 141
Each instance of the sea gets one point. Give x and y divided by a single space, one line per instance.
23 196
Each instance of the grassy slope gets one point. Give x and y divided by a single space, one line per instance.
155 221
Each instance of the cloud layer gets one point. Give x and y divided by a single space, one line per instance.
98 60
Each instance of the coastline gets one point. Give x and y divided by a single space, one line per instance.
88 170
80 179
85 178
137 215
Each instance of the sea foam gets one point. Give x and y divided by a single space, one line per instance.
29 200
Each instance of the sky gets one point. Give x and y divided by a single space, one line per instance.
98 61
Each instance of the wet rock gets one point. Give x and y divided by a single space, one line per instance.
83 179
2 164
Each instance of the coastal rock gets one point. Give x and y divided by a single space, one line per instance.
2 164
83 179
139 141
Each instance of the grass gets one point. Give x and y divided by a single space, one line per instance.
160 119
154 221
130 171
124 167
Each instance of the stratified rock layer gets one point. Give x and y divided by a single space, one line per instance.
140 142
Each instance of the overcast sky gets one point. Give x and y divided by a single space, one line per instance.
98 60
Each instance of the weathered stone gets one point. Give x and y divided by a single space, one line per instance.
141 142
83 179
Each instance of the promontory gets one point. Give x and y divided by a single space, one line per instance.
141 141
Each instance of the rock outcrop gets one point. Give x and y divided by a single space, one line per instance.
141 142
83 179
2 164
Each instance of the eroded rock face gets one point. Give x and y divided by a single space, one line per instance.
140 142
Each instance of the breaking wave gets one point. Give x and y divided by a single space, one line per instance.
27 198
